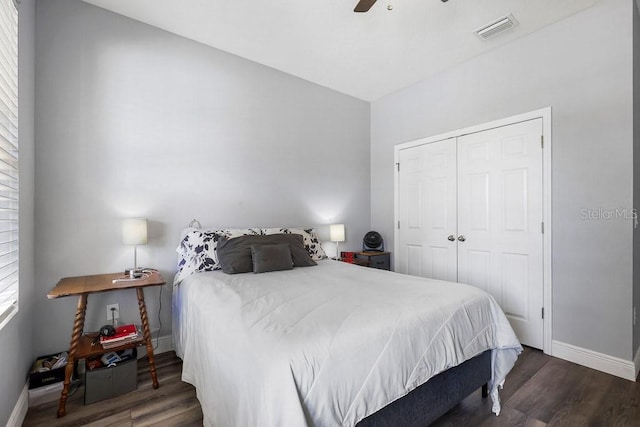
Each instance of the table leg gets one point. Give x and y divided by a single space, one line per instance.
78 327
147 336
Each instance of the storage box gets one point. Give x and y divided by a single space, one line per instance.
39 379
111 381
44 394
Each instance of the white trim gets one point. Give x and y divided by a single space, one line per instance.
636 363
10 315
20 410
545 115
592 359
164 344
547 250
396 207
541 113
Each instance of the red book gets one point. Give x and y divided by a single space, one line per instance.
123 333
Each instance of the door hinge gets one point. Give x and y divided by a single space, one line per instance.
398 225
541 141
543 312
398 166
542 227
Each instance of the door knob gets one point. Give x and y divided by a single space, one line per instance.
451 238
461 238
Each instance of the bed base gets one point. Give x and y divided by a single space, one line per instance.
436 397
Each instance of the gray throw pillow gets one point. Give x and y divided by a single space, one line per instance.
273 257
234 254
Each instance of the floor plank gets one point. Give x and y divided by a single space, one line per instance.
620 405
540 391
116 420
175 405
548 390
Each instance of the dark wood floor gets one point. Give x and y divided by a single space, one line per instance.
546 391
539 391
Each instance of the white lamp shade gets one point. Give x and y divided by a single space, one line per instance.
134 231
336 232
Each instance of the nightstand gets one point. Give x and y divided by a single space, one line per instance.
374 259
83 346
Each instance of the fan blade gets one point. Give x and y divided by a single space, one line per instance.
364 5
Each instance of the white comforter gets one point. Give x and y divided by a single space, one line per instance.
327 345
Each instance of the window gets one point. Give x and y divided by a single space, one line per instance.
8 161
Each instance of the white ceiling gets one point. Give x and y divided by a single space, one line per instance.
366 55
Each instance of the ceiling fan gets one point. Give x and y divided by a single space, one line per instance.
365 5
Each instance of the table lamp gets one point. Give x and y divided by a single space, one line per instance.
336 234
134 232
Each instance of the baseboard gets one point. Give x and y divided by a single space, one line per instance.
592 359
165 343
162 344
20 410
636 362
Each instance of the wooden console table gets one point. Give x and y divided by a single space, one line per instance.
83 346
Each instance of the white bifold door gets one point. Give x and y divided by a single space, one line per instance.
470 211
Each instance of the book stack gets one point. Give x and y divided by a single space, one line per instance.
124 335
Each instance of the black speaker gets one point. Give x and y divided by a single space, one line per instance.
107 331
373 242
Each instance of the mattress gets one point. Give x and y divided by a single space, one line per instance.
327 345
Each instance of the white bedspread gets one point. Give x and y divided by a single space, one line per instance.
327 345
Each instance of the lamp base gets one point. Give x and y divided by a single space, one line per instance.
133 273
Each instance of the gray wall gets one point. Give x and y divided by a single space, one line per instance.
15 337
582 68
135 121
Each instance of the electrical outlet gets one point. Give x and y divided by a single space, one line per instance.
116 312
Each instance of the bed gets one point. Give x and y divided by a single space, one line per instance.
336 344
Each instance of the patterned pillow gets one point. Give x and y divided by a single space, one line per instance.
197 249
309 237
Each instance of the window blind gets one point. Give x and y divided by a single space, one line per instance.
8 161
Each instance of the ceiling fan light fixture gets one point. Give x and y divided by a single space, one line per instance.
496 27
364 5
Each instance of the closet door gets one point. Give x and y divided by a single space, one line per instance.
427 211
500 243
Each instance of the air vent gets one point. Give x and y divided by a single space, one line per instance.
497 27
